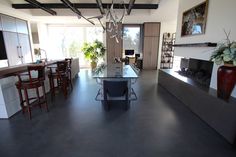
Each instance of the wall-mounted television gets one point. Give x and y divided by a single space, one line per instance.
3 53
129 52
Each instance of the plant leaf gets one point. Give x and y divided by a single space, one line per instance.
227 51
218 60
233 45
234 62
227 57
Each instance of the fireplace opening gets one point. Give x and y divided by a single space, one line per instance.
198 70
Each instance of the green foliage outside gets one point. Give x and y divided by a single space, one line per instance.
74 49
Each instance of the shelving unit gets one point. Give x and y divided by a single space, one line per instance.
167 51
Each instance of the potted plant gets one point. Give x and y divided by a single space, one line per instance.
93 51
226 74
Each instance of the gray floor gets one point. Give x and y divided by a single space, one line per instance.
157 125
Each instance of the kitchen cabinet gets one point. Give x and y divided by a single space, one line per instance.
152 29
24 47
8 23
17 47
15 40
151 45
21 26
12 48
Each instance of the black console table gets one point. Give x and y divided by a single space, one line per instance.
203 101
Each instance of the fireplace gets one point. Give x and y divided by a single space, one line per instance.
198 70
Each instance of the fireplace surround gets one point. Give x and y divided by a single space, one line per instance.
203 101
198 70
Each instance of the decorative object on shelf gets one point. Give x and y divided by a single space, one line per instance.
41 57
226 74
194 20
93 51
205 44
226 79
167 54
37 53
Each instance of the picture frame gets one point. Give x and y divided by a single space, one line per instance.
194 20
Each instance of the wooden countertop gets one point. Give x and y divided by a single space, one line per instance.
12 70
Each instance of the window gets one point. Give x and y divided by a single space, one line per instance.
132 38
66 41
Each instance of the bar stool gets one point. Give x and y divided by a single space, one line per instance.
69 60
61 74
27 81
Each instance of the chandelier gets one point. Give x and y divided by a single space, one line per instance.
114 18
114 14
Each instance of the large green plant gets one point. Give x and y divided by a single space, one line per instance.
93 51
225 52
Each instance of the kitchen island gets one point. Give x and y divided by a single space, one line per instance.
9 99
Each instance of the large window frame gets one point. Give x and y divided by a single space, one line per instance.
83 36
140 36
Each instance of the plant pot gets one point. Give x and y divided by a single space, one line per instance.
226 79
93 65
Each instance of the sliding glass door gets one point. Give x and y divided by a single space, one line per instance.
66 41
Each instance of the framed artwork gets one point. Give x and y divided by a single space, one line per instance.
194 20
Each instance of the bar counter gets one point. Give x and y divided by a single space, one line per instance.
13 70
9 99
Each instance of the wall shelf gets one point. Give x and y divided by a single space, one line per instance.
167 51
206 44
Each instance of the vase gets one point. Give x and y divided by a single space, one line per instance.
93 65
226 79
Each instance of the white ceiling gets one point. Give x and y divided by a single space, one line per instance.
167 11
67 15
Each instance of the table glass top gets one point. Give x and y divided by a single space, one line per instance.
116 70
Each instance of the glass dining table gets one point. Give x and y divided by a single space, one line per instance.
116 72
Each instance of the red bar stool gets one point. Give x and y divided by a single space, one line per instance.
69 60
61 74
28 81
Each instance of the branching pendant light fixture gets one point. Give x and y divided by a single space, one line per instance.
114 15
115 19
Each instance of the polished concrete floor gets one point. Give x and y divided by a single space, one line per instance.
156 125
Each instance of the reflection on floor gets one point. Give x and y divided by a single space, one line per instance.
156 125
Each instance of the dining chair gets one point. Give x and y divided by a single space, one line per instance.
116 90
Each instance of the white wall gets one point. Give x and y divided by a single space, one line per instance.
6 8
220 16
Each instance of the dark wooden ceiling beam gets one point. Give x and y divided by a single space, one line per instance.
131 5
83 6
70 5
34 3
99 3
